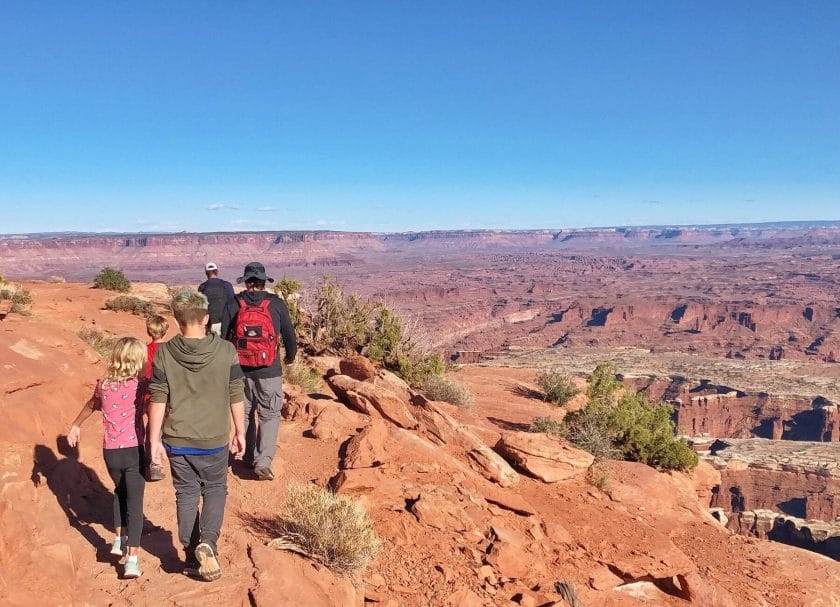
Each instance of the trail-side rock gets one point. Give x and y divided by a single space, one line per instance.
545 457
441 428
293 580
507 499
298 406
372 400
394 383
465 598
701 592
336 422
357 367
658 559
367 449
377 487
441 508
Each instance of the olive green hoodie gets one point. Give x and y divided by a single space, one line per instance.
197 379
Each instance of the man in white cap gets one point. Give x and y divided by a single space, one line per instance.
218 293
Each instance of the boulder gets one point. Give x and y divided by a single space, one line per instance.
367 449
394 383
336 422
441 428
545 457
465 598
372 400
357 367
441 509
298 581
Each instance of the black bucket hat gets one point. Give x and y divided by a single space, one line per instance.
256 271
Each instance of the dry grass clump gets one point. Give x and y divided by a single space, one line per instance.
299 374
557 387
56 279
19 297
130 303
98 340
437 387
332 529
546 425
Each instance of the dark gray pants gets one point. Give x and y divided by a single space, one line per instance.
195 476
126 467
263 408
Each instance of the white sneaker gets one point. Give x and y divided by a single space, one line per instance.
132 568
118 547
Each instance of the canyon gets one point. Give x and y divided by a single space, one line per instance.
735 327
472 510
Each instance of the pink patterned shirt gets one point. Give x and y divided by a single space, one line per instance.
122 413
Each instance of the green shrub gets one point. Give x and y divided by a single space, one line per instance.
307 378
417 370
332 529
339 324
386 339
557 387
289 290
130 303
437 387
546 425
101 342
631 427
111 279
603 385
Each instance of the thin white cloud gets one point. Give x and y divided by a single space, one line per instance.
221 207
250 224
267 209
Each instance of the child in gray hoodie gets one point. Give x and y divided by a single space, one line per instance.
196 388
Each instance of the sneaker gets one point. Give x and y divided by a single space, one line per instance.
264 474
208 565
117 548
156 472
132 568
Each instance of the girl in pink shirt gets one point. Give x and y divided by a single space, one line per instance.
120 399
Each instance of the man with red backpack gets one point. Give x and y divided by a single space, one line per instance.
253 321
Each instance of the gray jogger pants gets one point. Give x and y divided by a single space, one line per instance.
263 408
194 477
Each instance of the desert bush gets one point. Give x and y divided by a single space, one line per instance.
557 387
603 385
3 280
338 323
98 340
438 387
333 529
130 303
599 475
299 374
112 279
19 297
416 370
289 290
631 427
56 279
546 425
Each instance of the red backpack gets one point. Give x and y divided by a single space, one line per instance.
254 335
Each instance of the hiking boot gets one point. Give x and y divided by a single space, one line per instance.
156 473
132 568
208 565
118 547
264 474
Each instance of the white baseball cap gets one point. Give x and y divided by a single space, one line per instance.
210 267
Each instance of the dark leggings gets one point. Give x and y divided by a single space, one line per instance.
126 467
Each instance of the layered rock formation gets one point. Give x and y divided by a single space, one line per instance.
799 479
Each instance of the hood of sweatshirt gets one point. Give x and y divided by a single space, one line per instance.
194 354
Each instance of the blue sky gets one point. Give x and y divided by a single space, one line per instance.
392 116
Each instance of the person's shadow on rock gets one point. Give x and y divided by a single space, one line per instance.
86 502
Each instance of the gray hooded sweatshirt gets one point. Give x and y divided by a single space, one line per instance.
197 380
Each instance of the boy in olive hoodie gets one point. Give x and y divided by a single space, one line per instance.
196 388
